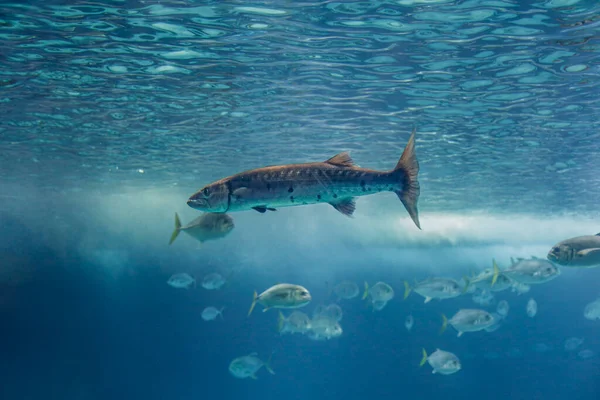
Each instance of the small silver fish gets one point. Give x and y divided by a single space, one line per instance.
581 251
592 310
409 322
468 320
213 281
346 290
531 308
324 328
585 354
333 312
208 226
336 181
210 313
297 322
483 297
573 343
442 362
520 288
283 295
435 288
181 281
380 292
247 366
528 271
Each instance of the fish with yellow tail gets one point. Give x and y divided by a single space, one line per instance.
442 362
336 181
208 226
283 295
468 320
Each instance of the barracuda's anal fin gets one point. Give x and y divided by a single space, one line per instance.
345 206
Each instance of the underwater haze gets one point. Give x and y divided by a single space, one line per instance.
113 113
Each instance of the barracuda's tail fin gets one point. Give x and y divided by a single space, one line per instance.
407 171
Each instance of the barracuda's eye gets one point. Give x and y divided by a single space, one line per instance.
205 191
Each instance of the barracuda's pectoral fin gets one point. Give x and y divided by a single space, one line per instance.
345 206
263 209
241 192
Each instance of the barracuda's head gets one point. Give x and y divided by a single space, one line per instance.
211 198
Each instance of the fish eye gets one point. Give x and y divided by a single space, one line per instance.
205 191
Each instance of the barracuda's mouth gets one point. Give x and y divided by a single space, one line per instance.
198 204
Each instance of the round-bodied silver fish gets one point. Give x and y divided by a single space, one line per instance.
520 288
247 366
442 362
531 308
468 320
346 290
573 343
323 328
528 271
409 322
380 292
592 310
213 281
210 313
283 295
483 297
297 322
581 251
435 288
333 312
181 281
208 226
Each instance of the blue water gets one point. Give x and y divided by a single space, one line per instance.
114 112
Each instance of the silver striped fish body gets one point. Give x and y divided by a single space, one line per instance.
532 271
438 288
336 181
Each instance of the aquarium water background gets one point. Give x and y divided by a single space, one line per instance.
114 112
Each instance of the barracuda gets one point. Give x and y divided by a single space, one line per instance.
336 181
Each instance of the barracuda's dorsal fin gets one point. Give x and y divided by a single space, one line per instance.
341 160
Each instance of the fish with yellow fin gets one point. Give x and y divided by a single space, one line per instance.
442 362
283 295
208 226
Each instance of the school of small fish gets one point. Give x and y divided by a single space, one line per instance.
338 182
